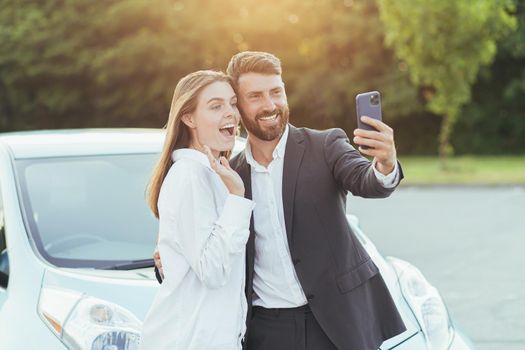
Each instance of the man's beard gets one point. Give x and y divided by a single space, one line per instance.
272 132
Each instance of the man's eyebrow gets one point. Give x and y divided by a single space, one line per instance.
255 92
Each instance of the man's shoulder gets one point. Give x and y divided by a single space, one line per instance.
318 135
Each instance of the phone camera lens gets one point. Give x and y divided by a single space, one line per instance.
374 99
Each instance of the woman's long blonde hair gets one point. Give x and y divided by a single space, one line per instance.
178 134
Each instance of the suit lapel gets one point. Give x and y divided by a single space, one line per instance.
244 171
292 161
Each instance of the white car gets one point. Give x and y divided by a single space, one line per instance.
77 237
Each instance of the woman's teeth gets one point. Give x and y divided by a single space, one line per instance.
228 130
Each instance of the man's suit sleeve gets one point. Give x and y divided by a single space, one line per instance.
350 169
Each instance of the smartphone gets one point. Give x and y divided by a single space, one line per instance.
368 104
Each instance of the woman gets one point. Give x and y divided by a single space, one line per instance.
203 222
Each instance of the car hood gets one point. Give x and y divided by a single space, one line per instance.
135 289
137 274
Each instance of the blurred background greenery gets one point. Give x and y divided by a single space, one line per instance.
451 73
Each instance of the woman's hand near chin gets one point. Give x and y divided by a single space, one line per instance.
231 179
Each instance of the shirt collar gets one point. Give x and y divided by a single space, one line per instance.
278 152
191 153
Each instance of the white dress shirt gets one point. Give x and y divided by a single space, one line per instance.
275 281
203 231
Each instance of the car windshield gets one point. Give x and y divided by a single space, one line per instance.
90 211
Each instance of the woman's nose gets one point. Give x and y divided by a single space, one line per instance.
231 112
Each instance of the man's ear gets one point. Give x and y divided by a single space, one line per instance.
188 120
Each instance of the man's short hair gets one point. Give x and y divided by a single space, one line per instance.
253 62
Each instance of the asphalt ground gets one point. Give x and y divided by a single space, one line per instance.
469 242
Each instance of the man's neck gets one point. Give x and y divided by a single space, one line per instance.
262 151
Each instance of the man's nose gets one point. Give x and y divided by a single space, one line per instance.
269 103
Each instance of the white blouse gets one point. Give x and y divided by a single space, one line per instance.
202 237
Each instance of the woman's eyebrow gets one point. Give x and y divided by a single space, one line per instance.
218 99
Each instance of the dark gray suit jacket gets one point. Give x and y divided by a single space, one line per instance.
345 291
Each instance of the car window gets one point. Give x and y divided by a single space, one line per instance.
89 211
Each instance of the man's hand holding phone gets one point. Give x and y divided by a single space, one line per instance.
375 138
380 144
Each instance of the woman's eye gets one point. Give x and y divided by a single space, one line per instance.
216 107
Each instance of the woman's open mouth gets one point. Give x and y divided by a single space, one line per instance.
228 130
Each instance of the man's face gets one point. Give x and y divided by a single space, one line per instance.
263 106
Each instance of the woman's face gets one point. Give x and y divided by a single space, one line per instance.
214 122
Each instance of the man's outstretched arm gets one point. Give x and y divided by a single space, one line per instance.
354 172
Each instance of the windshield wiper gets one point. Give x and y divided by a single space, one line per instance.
130 265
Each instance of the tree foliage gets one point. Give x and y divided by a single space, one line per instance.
115 63
74 63
445 43
494 122
82 63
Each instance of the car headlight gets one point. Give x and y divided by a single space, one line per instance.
426 303
85 322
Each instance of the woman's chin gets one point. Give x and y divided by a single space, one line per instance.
227 146
220 150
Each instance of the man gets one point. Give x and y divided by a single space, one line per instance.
309 282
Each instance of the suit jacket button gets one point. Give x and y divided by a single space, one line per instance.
310 297
296 261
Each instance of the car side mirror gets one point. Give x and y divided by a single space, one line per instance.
4 269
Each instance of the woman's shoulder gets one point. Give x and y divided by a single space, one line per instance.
187 178
188 173
185 171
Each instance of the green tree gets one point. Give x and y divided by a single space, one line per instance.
444 44
75 63
494 122
72 63
331 50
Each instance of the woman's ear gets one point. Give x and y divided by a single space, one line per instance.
188 120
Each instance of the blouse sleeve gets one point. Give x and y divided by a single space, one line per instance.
207 240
